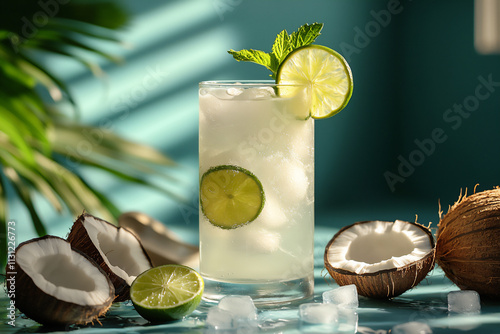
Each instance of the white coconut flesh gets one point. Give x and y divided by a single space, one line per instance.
63 273
375 246
119 248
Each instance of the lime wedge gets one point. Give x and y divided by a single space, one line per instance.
167 292
230 196
323 70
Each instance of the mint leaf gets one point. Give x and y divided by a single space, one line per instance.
255 56
306 35
283 45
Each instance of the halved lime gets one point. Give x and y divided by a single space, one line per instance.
323 70
230 196
167 292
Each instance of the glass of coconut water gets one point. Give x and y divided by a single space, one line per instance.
256 159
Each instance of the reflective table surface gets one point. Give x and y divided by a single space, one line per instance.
425 303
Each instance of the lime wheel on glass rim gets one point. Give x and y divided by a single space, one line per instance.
325 72
230 196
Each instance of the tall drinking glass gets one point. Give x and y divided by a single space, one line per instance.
262 132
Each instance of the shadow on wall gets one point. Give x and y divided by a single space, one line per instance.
424 117
422 122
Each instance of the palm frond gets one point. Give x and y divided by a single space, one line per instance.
103 13
76 194
22 113
112 209
63 43
37 145
24 193
3 206
83 29
17 16
54 86
107 143
3 221
15 130
34 175
122 158
12 73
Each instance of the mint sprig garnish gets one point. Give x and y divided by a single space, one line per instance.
283 45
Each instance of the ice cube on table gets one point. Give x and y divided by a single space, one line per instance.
464 301
234 313
348 320
412 327
219 319
239 306
345 296
243 311
318 313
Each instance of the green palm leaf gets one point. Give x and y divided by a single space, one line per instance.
82 29
107 143
24 193
3 219
33 175
15 130
112 209
59 41
38 145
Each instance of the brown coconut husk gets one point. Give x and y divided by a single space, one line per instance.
468 243
79 239
46 309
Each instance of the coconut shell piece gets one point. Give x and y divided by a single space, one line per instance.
115 249
162 245
468 243
383 284
35 283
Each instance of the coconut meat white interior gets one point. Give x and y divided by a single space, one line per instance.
63 273
374 246
119 248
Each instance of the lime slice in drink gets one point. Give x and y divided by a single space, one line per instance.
167 292
230 196
323 70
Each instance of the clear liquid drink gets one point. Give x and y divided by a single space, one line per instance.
265 129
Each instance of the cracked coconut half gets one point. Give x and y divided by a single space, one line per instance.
117 250
58 285
383 259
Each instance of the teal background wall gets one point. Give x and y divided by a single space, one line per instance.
409 67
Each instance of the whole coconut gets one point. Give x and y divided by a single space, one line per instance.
468 243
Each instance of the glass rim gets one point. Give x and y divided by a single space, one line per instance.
245 83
